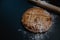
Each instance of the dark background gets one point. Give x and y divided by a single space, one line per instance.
10 16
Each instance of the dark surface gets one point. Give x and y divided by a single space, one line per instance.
10 19
55 2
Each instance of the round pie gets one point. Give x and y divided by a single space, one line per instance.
37 20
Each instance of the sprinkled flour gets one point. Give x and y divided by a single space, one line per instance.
32 36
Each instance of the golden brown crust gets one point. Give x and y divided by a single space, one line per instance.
36 20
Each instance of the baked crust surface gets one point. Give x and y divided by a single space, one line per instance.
36 20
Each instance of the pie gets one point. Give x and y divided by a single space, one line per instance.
36 20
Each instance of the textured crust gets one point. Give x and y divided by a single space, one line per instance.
36 20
